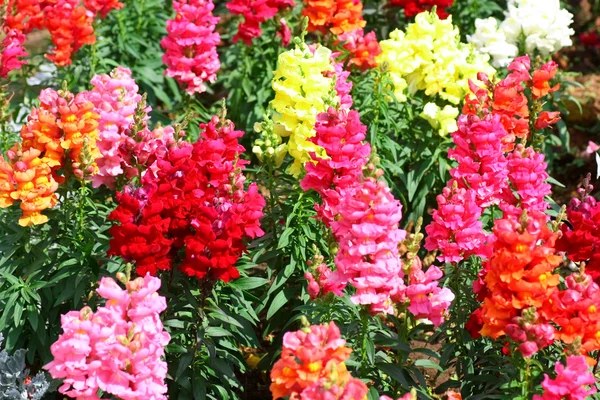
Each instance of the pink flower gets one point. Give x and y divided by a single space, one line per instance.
12 51
118 349
341 134
322 284
285 33
591 148
527 175
571 381
456 230
191 45
368 235
481 161
255 12
115 98
426 299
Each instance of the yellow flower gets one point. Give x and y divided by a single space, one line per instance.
441 119
304 86
429 57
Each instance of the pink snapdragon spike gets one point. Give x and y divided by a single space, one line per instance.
342 136
368 235
456 230
481 161
117 349
12 52
571 382
527 175
191 45
115 97
427 299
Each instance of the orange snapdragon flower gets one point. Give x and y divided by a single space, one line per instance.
42 133
335 16
34 185
519 274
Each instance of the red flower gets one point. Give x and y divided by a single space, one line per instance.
255 12
414 7
192 209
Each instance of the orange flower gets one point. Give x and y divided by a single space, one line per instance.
7 183
79 122
42 133
35 186
575 311
540 84
336 16
519 274
308 355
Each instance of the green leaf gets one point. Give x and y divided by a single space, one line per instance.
429 364
184 363
284 240
249 283
279 301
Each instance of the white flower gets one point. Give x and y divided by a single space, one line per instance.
542 23
539 25
490 40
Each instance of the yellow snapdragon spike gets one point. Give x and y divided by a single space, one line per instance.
302 83
429 57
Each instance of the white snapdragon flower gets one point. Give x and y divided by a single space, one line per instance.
542 24
490 40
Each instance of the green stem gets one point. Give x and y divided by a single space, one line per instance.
364 340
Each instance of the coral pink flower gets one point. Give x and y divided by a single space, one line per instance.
368 236
255 12
571 381
115 97
363 48
481 161
527 175
309 356
117 349
102 7
191 45
354 389
12 51
456 230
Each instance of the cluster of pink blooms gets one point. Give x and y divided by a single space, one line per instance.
361 211
481 161
527 175
531 334
491 170
573 381
256 12
456 229
115 98
426 299
368 235
12 52
118 348
191 45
